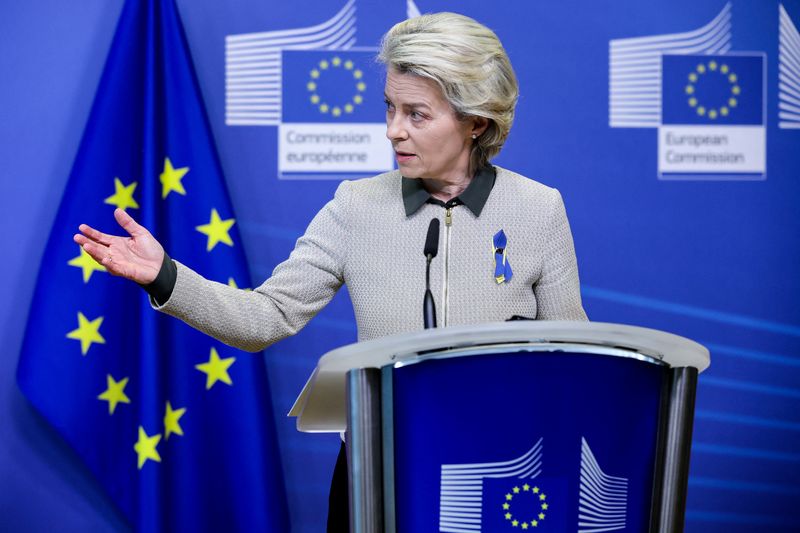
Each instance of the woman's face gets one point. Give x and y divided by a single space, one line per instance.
428 139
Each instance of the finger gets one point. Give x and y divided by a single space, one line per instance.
101 255
114 263
127 223
97 251
105 257
96 236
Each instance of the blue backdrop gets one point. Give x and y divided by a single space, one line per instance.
709 254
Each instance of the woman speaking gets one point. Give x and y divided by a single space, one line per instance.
505 246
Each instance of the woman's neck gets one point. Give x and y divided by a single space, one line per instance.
446 190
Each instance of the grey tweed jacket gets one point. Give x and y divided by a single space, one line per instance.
363 239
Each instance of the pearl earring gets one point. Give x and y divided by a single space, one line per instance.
474 136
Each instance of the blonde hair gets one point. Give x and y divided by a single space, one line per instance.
468 62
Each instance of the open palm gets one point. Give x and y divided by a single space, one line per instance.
137 257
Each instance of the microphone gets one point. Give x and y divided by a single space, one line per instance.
432 241
431 249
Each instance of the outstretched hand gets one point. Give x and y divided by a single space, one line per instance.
137 258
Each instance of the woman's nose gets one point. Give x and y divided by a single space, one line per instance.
394 128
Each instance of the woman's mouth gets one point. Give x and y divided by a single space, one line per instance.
403 157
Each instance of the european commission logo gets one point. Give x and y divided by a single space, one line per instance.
514 505
331 86
713 116
324 95
518 495
707 103
333 120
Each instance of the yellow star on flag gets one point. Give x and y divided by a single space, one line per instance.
516 490
506 506
217 230
145 447
544 506
524 525
123 195
171 421
115 393
232 283
87 332
87 264
171 179
515 523
216 369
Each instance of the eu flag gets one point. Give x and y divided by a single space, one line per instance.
514 504
712 89
332 86
176 426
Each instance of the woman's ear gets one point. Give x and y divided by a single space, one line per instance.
479 125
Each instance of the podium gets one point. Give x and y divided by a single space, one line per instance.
527 425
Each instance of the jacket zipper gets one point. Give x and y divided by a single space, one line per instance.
448 223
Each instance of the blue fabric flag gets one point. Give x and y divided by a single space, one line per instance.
176 426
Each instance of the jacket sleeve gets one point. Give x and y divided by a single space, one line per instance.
558 294
297 290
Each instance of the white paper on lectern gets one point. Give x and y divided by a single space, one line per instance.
321 405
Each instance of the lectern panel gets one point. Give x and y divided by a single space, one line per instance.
544 441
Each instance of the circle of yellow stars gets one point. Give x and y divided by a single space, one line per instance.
327 66
539 496
706 69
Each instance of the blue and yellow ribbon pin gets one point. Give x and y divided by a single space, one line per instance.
502 268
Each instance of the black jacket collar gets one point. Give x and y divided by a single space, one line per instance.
474 196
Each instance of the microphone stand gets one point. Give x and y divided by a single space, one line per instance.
428 306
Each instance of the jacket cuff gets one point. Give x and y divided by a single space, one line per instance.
160 289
